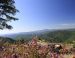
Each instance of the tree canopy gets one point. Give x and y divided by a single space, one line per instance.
7 12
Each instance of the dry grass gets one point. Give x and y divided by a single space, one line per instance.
68 56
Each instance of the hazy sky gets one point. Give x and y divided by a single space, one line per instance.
43 14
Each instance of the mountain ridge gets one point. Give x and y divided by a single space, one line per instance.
40 31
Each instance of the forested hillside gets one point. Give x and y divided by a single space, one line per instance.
6 40
57 36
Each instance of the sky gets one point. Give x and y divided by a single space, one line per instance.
43 14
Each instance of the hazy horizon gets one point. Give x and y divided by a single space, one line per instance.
34 31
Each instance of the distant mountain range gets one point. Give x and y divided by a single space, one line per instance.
66 36
33 33
51 35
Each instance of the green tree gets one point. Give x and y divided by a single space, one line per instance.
7 12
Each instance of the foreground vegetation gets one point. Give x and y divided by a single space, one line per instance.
35 48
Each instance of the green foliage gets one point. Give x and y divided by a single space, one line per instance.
7 12
74 46
6 40
59 36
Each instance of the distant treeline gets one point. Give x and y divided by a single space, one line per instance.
58 36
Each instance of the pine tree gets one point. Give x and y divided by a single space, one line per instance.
7 12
